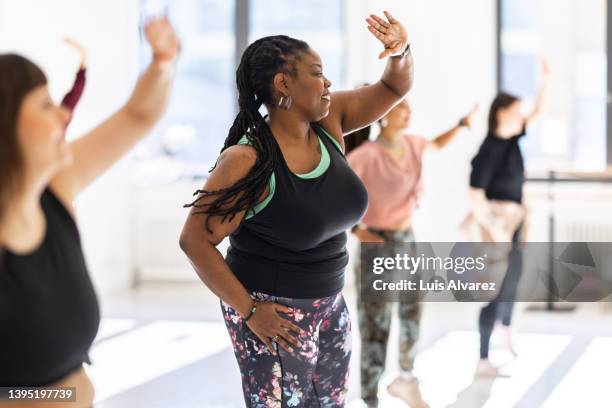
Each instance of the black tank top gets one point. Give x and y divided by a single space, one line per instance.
48 308
296 246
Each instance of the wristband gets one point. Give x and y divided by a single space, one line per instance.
404 53
253 310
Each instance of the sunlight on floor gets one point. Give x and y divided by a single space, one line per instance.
131 359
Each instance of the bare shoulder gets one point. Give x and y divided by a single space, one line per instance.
234 163
240 151
332 124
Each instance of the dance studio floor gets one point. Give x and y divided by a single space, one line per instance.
166 346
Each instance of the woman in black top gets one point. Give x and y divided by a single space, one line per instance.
48 309
284 194
497 178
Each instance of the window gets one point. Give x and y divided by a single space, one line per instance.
318 22
203 104
573 132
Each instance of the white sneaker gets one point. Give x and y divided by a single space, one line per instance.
486 370
408 391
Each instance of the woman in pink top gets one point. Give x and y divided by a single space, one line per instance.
390 168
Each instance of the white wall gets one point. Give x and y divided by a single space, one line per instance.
109 31
454 49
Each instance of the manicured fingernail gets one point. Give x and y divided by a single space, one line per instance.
291 349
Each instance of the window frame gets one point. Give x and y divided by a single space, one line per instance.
609 72
609 84
242 26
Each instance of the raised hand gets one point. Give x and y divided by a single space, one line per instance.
79 48
469 118
163 40
390 32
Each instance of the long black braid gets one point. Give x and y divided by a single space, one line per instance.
259 63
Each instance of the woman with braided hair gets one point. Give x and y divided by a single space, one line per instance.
285 195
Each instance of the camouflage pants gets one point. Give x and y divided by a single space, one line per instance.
375 322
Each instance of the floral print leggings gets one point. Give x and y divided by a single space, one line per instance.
315 375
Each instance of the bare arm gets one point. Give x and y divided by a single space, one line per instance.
355 109
200 247
102 147
541 97
443 139
440 141
71 99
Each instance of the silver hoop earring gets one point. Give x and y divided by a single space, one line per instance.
384 122
285 102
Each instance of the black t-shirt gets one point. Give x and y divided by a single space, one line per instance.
498 168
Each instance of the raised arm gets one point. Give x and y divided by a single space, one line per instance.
78 47
355 109
443 139
102 147
71 99
542 95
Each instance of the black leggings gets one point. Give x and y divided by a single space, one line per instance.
502 306
504 313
